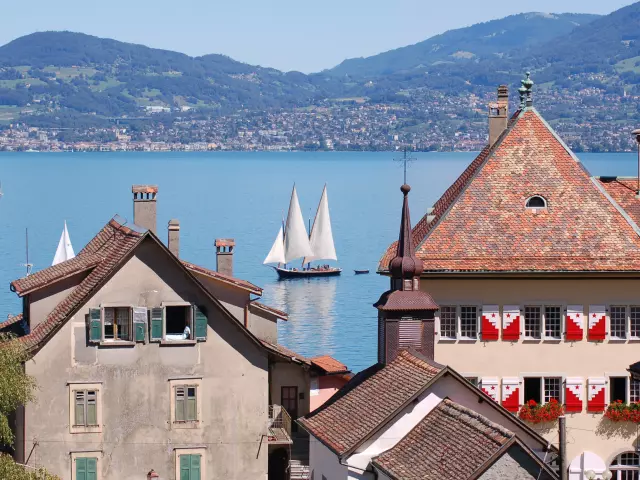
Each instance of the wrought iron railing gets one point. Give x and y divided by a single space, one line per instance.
279 421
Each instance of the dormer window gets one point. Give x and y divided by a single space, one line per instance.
536 202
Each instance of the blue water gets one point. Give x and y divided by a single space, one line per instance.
242 196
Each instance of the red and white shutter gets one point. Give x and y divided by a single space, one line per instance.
597 322
489 385
574 322
490 329
511 322
511 393
574 394
595 396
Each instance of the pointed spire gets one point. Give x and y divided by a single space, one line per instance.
405 264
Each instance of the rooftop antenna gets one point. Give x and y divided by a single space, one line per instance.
28 265
405 159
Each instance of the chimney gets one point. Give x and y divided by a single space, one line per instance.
144 206
224 255
173 240
498 115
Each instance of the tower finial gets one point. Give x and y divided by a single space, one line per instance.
405 264
526 99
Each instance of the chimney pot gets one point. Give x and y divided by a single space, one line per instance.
224 255
498 115
144 206
173 240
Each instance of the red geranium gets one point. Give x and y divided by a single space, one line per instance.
534 413
619 411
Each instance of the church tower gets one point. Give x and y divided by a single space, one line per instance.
405 313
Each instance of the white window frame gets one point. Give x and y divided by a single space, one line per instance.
622 374
542 376
617 470
628 337
77 386
186 382
202 451
132 333
459 322
455 324
192 327
543 320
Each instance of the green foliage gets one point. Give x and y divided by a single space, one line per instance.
10 470
16 387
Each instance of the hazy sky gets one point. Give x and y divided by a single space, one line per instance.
299 35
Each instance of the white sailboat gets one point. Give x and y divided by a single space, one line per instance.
292 242
65 249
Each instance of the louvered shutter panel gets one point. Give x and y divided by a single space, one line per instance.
139 323
92 408
185 467
79 408
574 321
157 319
595 397
511 323
511 393
490 329
195 467
409 333
81 468
192 404
573 395
92 469
489 385
180 404
200 322
597 322
95 325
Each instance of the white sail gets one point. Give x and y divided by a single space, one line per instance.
296 241
65 250
321 235
276 254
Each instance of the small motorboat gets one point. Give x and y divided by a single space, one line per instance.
361 272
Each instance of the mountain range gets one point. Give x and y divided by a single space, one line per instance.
69 75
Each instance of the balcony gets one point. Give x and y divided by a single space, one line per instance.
279 426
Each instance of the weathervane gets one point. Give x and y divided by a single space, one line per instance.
405 159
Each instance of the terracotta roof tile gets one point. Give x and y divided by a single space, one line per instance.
450 443
11 320
481 223
285 352
329 364
368 400
623 191
224 278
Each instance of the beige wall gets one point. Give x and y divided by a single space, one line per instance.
42 301
327 386
137 434
263 326
552 358
286 374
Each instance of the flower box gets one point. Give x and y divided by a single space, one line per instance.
533 412
623 412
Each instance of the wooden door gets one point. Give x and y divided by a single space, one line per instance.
289 396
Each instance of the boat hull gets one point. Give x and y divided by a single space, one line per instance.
286 273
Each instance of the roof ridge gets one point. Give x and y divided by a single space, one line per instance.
416 358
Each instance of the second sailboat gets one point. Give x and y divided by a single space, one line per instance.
292 242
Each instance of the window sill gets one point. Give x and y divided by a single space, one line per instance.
552 340
186 425
116 343
178 342
467 340
618 340
531 340
81 429
447 340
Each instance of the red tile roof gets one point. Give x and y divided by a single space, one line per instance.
481 223
11 320
450 443
234 282
329 364
623 191
365 403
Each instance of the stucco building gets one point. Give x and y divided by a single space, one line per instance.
535 266
146 362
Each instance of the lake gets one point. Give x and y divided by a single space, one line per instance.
242 196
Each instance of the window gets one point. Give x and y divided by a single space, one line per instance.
85 410
618 321
617 389
186 402
635 322
469 322
536 202
448 321
472 380
117 324
542 389
190 464
626 466
553 322
532 322
179 322
634 390
84 466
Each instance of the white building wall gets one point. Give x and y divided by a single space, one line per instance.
323 461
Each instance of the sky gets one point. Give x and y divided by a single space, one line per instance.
302 35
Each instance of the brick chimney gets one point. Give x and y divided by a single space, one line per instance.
224 255
144 206
173 240
498 114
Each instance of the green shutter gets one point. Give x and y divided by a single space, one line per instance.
180 400
92 469
139 323
191 404
200 323
81 468
79 416
140 332
157 319
185 467
95 325
195 467
92 408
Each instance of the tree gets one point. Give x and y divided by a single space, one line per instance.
16 388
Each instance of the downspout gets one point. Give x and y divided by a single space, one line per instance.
246 314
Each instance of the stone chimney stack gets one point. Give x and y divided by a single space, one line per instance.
224 255
498 114
144 206
173 241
